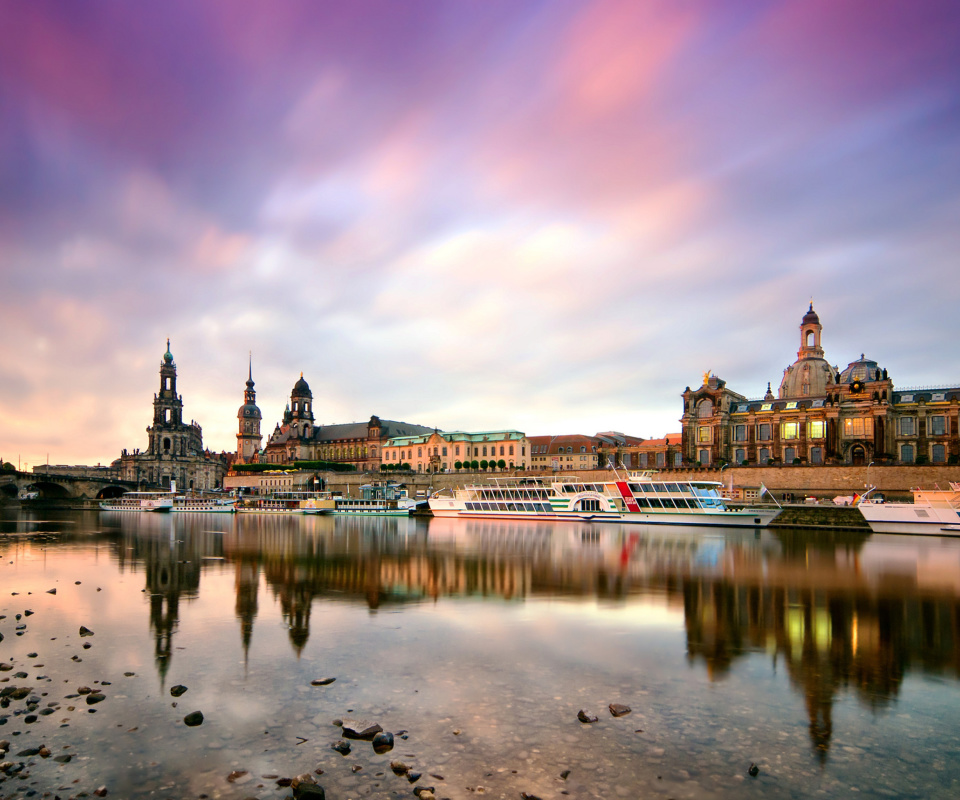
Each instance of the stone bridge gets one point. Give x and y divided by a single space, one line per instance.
65 487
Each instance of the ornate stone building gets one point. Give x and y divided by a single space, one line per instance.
360 444
248 431
174 449
821 415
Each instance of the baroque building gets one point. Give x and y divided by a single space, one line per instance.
821 415
299 438
248 431
174 451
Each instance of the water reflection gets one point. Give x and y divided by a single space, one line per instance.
843 614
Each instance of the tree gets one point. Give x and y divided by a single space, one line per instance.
474 464
501 464
457 465
406 466
484 464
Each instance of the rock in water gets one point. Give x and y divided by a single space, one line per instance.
618 710
193 719
583 716
177 690
322 681
51 591
360 729
85 631
399 768
754 770
95 697
382 743
341 747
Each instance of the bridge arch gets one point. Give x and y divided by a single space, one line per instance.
108 492
48 489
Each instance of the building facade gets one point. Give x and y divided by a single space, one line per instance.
174 448
360 444
441 451
821 415
567 452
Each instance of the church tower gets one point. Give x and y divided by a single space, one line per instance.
810 375
248 432
167 406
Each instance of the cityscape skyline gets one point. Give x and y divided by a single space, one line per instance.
544 217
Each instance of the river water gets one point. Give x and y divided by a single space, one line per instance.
830 661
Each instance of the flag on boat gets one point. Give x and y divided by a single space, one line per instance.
856 499
763 490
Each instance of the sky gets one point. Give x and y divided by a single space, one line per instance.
545 216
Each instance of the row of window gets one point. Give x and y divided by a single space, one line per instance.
545 448
936 425
853 428
407 455
660 459
938 453
764 454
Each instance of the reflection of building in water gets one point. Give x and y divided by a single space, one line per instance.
247 585
169 577
843 613
831 639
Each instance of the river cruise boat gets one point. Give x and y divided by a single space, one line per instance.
376 499
139 501
287 503
635 498
933 512
172 502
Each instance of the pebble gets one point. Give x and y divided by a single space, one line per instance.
193 719
583 716
382 743
84 631
177 690
619 710
322 681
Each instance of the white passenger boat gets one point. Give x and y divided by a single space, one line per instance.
635 498
170 501
204 504
291 502
139 501
376 499
934 512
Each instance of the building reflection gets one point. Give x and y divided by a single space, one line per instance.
842 614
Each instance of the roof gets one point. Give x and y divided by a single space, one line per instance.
358 430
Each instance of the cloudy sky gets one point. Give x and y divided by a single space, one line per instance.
550 216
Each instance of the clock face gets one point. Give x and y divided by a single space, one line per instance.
856 387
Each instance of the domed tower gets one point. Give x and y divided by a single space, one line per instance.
301 412
248 432
810 374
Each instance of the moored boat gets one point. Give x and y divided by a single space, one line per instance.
139 501
377 499
291 502
636 497
933 512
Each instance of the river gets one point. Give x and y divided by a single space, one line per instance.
828 661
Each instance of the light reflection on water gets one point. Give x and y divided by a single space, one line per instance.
829 660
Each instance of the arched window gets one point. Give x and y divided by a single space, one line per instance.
166 445
511 449
811 338
705 408
419 452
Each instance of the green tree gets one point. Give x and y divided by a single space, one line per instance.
458 465
474 464
501 464
484 464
